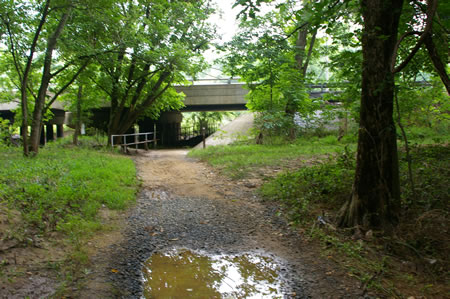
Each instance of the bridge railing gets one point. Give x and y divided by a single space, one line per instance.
139 138
187 133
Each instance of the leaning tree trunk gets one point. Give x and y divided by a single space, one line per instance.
375 199
36 124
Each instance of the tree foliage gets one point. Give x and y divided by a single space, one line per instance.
137 50
155 44
264 55
40 51
382 42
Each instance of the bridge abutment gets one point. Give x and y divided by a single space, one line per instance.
170 127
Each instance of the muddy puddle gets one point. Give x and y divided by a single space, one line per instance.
188 274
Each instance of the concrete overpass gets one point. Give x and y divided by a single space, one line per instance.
225 95
58 119
214 97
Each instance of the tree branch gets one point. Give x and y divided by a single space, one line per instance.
437 62
100 86
140 87
13 50
157 85
308 56
74 77
431 10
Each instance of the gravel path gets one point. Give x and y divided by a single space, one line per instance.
184 204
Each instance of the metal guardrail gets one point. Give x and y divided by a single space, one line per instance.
136 140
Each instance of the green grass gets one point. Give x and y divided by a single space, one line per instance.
64 187
238 160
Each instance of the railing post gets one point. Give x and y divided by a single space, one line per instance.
146 142
204 133
136 140
154 135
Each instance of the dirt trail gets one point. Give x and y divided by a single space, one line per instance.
185 204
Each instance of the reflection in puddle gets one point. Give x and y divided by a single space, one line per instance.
184 274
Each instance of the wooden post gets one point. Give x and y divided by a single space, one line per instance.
204 137
146 142
154 135
136 140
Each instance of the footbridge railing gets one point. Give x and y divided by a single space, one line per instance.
125 140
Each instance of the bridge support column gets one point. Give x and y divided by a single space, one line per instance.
169 126
147 125
50 134
59 131
42 139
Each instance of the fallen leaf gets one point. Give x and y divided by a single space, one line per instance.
175 239
114 270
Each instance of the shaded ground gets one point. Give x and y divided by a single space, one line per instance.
184 204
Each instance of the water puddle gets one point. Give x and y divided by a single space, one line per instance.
186 274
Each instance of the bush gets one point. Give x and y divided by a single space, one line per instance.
274 125
328 182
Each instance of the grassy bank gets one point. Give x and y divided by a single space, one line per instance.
317 180
238 161
63 188
50 207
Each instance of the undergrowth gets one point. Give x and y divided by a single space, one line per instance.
412 261
329 181
421 240
62 188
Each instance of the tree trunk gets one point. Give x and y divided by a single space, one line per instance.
26 72
45 81
121 120
78 117
24 126
302 65
375 199
290 109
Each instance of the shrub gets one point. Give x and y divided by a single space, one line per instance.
328 182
